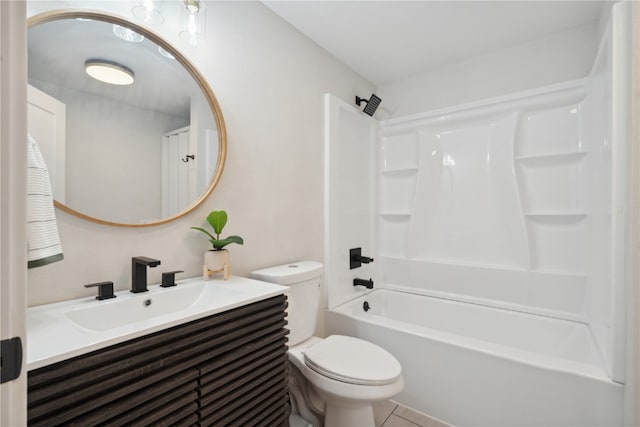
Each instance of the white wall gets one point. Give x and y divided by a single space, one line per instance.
559 57
269 81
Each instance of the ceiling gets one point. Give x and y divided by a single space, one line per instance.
385 41
58 50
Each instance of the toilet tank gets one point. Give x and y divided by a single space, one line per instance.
303 280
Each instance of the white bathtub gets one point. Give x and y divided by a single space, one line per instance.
471 365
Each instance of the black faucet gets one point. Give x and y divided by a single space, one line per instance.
363 282
139 272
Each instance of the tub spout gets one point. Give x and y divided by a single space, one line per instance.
363 282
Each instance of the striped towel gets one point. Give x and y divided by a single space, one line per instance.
42 228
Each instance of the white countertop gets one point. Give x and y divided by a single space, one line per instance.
63 330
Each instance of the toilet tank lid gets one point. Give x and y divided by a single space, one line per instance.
289 273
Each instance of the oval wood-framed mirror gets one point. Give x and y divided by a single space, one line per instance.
132 156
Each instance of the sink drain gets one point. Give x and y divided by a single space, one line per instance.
147 302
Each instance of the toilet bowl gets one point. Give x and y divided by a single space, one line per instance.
349 375
344 375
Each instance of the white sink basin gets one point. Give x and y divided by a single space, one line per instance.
128 309
59 331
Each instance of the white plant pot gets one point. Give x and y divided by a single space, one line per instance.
216 262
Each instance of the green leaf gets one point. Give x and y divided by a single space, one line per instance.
217 220
204 231
219 244
235 239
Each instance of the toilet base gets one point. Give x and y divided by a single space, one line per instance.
348 416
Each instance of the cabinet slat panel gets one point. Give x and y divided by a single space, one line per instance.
276 401
255 349
123 351
177 408
76 404
180 407
190 420
247 373
250 357
123 411
272 418
230 399
230 395
168 416
242 411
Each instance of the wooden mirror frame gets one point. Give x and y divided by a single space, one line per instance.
191 69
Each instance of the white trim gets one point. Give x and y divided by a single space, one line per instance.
632 377
13 182
621 185
498 103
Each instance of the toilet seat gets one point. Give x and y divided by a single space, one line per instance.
352 360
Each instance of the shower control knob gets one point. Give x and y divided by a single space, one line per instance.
356 259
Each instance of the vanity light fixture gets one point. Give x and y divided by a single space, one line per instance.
109 72
193 17
127 34
193 6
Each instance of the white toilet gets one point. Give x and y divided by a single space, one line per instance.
344 375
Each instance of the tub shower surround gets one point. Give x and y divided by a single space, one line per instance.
500 230
508 205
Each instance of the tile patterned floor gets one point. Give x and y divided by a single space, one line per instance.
390 414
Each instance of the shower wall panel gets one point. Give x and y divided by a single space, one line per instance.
490 202
350 198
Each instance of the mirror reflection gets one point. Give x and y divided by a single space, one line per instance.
141 150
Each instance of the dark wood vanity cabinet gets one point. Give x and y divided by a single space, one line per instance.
224 370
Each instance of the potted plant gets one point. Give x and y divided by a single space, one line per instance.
217 259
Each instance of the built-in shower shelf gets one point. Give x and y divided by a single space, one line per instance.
548 159
557 217
400 172
396 214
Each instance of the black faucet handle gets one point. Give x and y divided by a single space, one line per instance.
356 259
169 278
105 289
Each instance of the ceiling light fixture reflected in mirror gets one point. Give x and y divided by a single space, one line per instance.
127 34
109 72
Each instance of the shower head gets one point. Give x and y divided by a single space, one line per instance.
372 104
